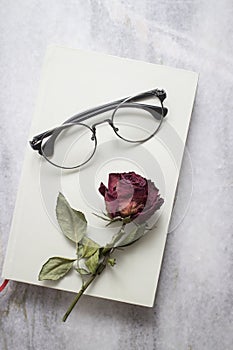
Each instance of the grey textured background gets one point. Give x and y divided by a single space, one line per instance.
193 309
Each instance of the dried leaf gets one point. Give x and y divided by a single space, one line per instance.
72 222
55 268
89 247
83 271
112 261
93 262
133 236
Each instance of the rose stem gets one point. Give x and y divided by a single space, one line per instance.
109 250
80 293
99 270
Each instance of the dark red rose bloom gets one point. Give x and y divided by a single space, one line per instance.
130 195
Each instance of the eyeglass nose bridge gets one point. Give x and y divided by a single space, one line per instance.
109 121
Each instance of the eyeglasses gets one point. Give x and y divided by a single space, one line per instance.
74 143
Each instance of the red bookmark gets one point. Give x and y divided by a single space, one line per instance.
2 286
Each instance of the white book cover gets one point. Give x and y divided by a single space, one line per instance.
73 81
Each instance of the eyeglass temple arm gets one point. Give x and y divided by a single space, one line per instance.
109 106
92 113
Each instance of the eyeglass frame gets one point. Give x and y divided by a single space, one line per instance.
36 142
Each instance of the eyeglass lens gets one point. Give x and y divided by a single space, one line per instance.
69 147
136 124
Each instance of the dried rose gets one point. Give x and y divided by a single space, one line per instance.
130 195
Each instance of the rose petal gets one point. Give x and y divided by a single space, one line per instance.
112 205
135 179
154 202
125 192
102 189
113 180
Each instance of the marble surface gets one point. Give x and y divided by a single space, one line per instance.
194 303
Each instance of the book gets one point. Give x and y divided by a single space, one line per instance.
73 81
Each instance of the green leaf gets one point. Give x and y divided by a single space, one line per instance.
112 261
89 247
93 262
55 268
133 236
72 222
83 271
